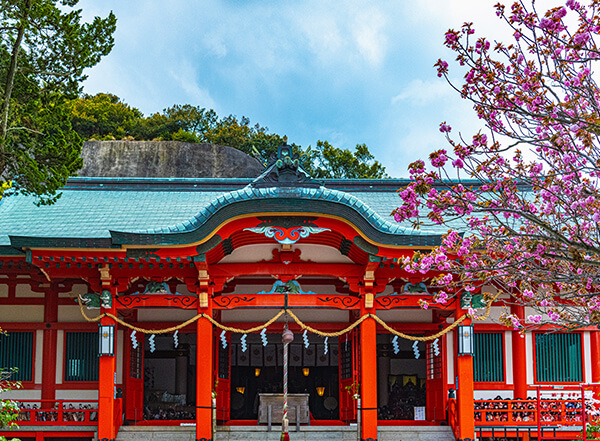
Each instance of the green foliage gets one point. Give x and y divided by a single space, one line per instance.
192 119
327 161
353 390
105 116
241 135
43 51
9 409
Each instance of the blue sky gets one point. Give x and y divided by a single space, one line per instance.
346 71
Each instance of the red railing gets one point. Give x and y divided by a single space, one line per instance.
571 408
453 416
561 412
57 412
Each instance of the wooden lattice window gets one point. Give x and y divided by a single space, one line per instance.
488 359
16 352
81 356
434 362
135 363
346 359
558 358
223 362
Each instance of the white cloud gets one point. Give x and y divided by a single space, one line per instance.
421 93
370 36
187 78
347 71
350 34
216 45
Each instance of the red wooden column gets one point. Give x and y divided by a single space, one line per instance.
368 371
519 357
595 355
204 368
464 394
50 343
107 429
595 360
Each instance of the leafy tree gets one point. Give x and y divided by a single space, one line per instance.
327 161
43 51
103 115
241 135
531 205
178 123
106 116
9 409
192 119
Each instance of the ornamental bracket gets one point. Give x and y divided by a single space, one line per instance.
105 277
369 281
203 283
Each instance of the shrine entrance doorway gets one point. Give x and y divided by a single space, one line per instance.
401 379
313 370
170 377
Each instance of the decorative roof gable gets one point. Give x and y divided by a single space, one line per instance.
285 170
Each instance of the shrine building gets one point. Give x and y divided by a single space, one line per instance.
135 301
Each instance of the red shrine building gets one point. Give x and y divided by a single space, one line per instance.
157 302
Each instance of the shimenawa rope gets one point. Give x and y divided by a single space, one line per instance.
294 317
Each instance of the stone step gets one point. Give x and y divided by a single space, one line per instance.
307 433
157 433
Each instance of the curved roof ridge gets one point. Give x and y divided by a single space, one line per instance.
249 193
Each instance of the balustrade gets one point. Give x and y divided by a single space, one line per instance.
57 412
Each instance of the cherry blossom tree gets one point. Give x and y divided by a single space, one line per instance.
522 195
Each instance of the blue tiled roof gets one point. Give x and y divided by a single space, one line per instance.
93 207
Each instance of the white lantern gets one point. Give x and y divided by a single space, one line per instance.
106 340
465 340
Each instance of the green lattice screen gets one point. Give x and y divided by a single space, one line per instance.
16 351
558 358
488 360
81 356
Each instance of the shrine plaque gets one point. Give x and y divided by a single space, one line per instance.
419 413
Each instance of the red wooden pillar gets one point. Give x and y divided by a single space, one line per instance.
107 429
595 360
595 355
368 375
464 395
204 372
50 343
519 357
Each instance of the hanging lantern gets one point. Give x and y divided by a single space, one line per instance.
306 372
320 390
256 372
106 335
465 340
